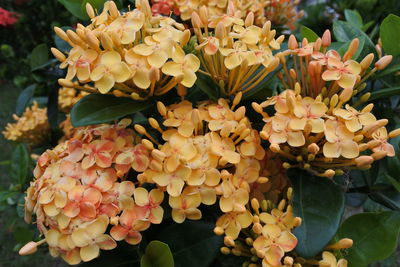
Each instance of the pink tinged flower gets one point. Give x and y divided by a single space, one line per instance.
353 119
225 148
210 45
149 204
308 111
83 203
322 58
137 157
345 73
382 136
98 152
109 71
339 141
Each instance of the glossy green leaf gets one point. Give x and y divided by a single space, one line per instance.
385 93
97 108
157 254
309 34
374 235
393 181
389 199
389 33
320 204
345 32
78 7
39 56
206 84
354 18
19 164
24 99
193 243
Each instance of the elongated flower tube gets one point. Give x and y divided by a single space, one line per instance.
236 55
32 127
125 54
80 189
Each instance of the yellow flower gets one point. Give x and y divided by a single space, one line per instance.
109 71
329 260
353 119
381 136
184 66
225 148
186 205
340 141
174 181
157 53
140 69
149 203
345 73
237 54
233 222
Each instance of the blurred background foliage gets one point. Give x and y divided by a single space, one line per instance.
26 63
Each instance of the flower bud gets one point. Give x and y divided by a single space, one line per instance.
353 47
292 42
29 248
228 241
364 160
161 109
326 39
225 250
394 133
196 21
249 19
383 62
367 61
203 12
218 230
346 95
257 228
313 148
341 244
379 155
255 205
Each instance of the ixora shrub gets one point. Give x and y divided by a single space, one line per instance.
212 118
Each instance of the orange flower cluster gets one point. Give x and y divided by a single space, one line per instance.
279 12
80 189
235 53
209 151
126 54
68 97
270 237
314 126
32 127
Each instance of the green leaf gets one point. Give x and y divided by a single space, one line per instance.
193 244
389 33
157 254
206 85
389 199
393 181
24 99
346 32
389 70
39 57
19 164
354 18
78 7
320 204
97 108
374 234
385 93
309 34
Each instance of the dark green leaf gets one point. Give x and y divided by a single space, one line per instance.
389 70
320 204
39 57
309 34
389 34
78 7
207 85
346 32
354 18
389 199
24 99
19 164
157 254
97 108
192 243
393 181
374 235
385 93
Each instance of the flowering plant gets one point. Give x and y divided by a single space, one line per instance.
217 137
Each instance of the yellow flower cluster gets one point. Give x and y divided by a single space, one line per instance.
314 126
209 151
279 12
269 238
132 54
80 189
68 97
32 127
235 53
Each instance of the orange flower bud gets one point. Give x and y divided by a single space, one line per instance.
292 44
364 160
367 61
326 39
353 47
58 54
394 133
29 248
383 62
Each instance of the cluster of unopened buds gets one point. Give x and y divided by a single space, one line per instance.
209 152
32 127
68 97
132 54
235 53
315 126
80 189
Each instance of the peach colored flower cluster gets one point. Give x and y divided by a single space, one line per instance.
315 126
235 53
80 189
126 54
209 151
32 127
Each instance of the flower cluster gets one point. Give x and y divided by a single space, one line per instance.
164 7
209 151
67 97
235 53
132 54
80 189
314 126
8 18
32 127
